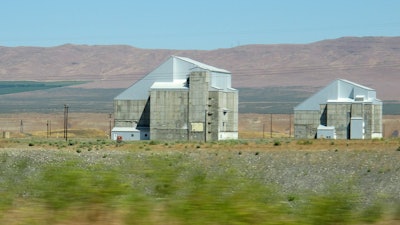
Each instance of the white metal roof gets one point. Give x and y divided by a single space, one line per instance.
355 84
124 129
339 91
322 127
176 84
202 65
172 71
341 100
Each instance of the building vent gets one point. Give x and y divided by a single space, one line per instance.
359 98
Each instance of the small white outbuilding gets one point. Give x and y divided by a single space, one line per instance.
125 134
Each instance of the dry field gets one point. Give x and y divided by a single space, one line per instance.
97 125
271 181
176 183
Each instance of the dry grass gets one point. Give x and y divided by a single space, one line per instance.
297 167
97 125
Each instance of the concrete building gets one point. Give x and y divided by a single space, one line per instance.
182 99
343 110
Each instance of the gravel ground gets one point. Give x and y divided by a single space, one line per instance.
371 174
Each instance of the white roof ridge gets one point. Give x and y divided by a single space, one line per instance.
356 84
201 65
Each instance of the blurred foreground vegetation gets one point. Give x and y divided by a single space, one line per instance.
135 184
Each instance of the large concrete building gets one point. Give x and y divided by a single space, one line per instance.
342 110
182 99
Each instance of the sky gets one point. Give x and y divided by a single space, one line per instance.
196 24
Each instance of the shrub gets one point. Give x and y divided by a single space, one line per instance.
277 143
397 211
67 184
71 143
152 142
304 142
335 207
291 198
372 214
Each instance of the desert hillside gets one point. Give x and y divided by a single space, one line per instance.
371 61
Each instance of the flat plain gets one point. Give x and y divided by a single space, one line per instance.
259 181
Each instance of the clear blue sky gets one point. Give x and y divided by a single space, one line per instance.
205 24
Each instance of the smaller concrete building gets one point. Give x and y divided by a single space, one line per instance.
343 110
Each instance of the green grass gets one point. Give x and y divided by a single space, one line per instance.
146 187
9 87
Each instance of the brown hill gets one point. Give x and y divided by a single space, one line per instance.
371 61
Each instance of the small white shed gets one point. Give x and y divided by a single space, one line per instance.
125 134
326 132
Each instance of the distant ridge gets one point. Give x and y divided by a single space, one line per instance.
370 61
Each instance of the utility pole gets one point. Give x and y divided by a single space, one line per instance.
48 124
109 117
66 122
290 125
21 127
270 131
263 130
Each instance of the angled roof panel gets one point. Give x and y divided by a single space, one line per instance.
338 91
175 68
202 65
140 89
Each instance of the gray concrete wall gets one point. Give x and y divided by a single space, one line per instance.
225 109
198 106
368 120
377 128
169 114
213 116
357 110
199 113
306 123
372 118
338 116
373 121
131 113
